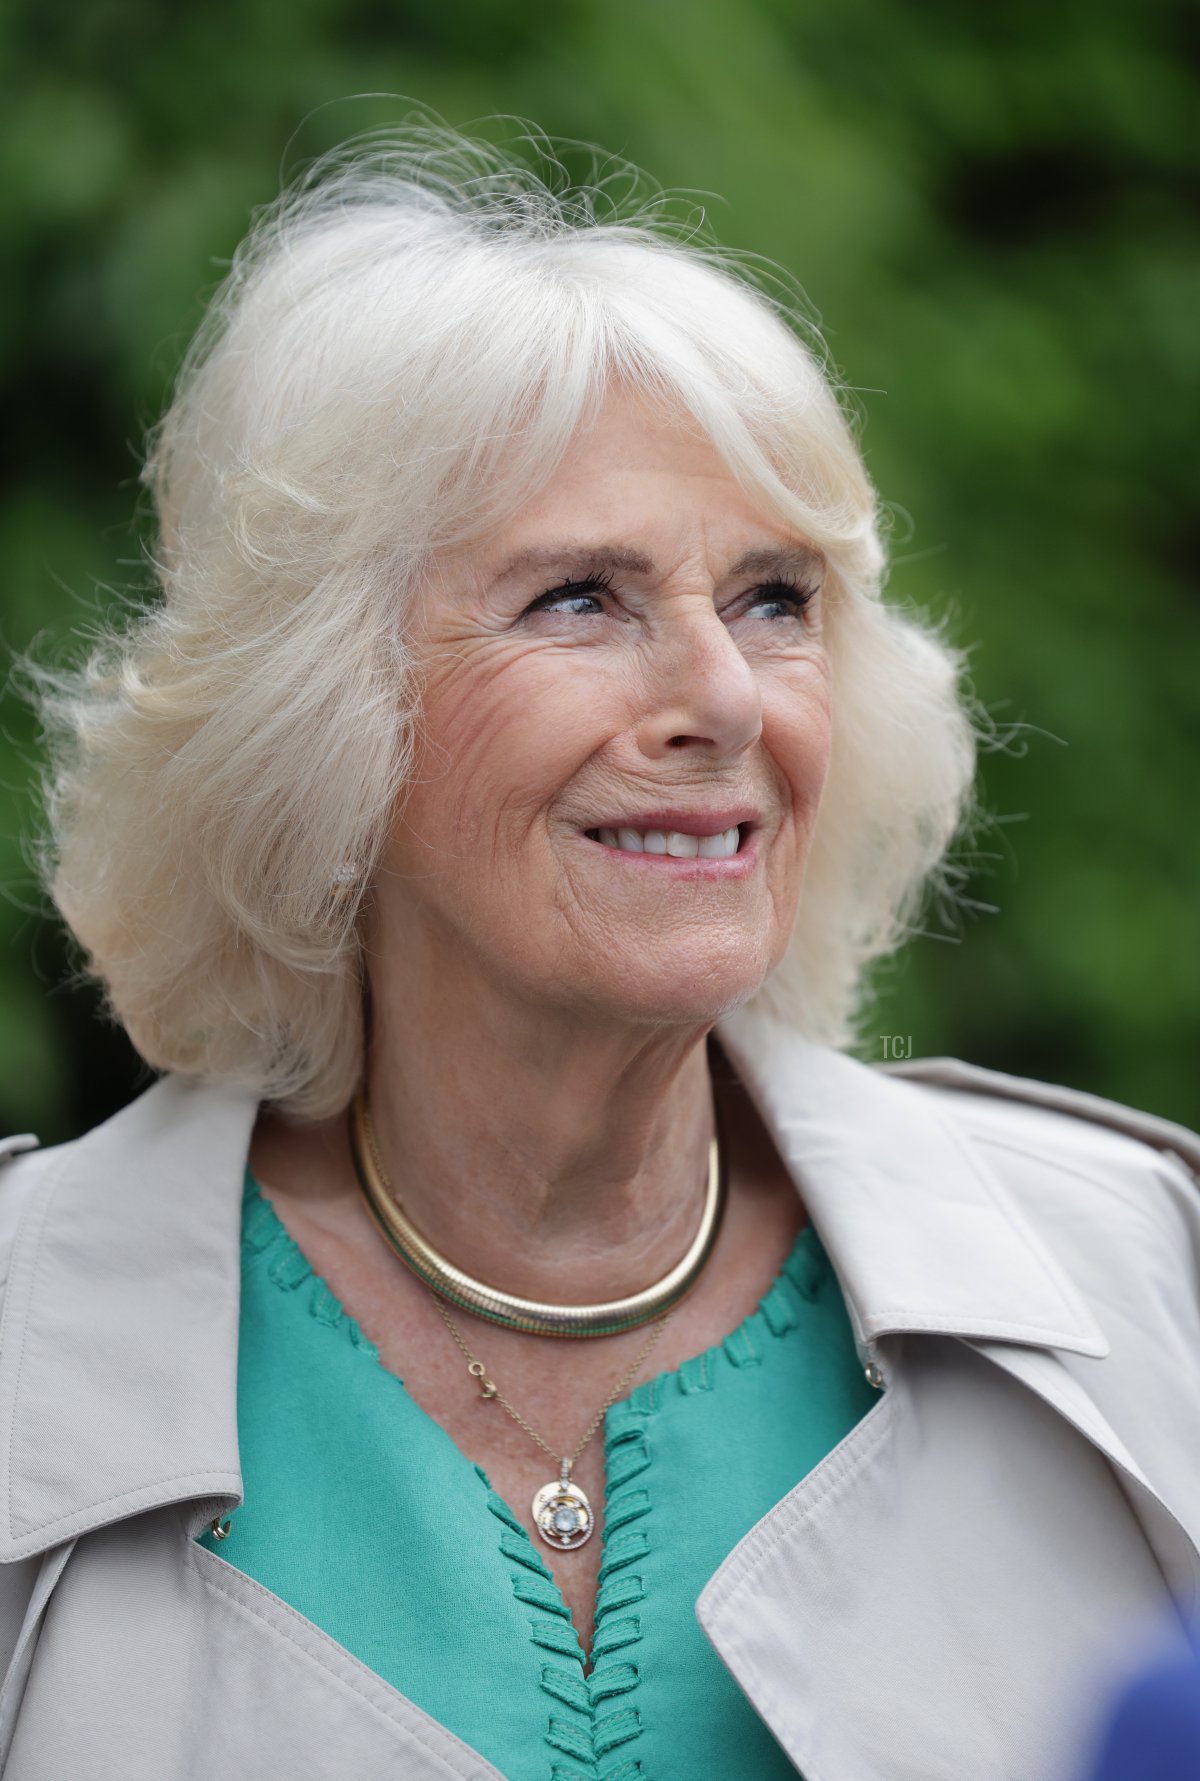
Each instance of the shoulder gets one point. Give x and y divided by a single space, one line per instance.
1076 1161
1064 1123
178 1132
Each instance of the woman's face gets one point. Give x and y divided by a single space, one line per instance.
633 661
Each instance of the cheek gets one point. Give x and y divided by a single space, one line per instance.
798 732
498 740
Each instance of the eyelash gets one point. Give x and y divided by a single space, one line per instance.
799 598
590 584
791 591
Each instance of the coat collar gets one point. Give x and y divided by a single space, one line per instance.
921 1232
118 1346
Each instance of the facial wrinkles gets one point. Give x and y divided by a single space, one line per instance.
483 684
533 729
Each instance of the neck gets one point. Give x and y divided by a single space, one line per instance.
553 1157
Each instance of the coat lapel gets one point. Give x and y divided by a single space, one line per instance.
118 1349
893 1616
947 1594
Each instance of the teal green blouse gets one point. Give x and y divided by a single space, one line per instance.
364 1515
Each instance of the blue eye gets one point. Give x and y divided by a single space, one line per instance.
788 594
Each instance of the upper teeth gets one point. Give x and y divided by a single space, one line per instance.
681 847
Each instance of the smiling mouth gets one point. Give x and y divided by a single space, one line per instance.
671 843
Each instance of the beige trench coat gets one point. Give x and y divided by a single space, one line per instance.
944 1598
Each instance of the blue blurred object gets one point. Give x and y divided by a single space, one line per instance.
1152 1732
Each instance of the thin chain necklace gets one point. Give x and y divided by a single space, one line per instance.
562 1512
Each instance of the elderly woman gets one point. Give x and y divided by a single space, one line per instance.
515 1337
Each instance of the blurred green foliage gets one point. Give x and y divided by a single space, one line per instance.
990 209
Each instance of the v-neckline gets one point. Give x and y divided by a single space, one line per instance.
640 1401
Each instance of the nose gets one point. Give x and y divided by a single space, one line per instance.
702 692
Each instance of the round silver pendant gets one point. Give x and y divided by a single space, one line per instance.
562 1514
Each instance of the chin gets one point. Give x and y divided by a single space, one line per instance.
695 990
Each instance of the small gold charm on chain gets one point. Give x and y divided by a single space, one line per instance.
477 1371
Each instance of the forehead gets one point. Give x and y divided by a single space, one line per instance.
633 489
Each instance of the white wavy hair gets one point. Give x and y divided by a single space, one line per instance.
404 347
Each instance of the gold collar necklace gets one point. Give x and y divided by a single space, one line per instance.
532 1315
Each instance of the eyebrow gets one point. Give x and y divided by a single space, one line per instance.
579 560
